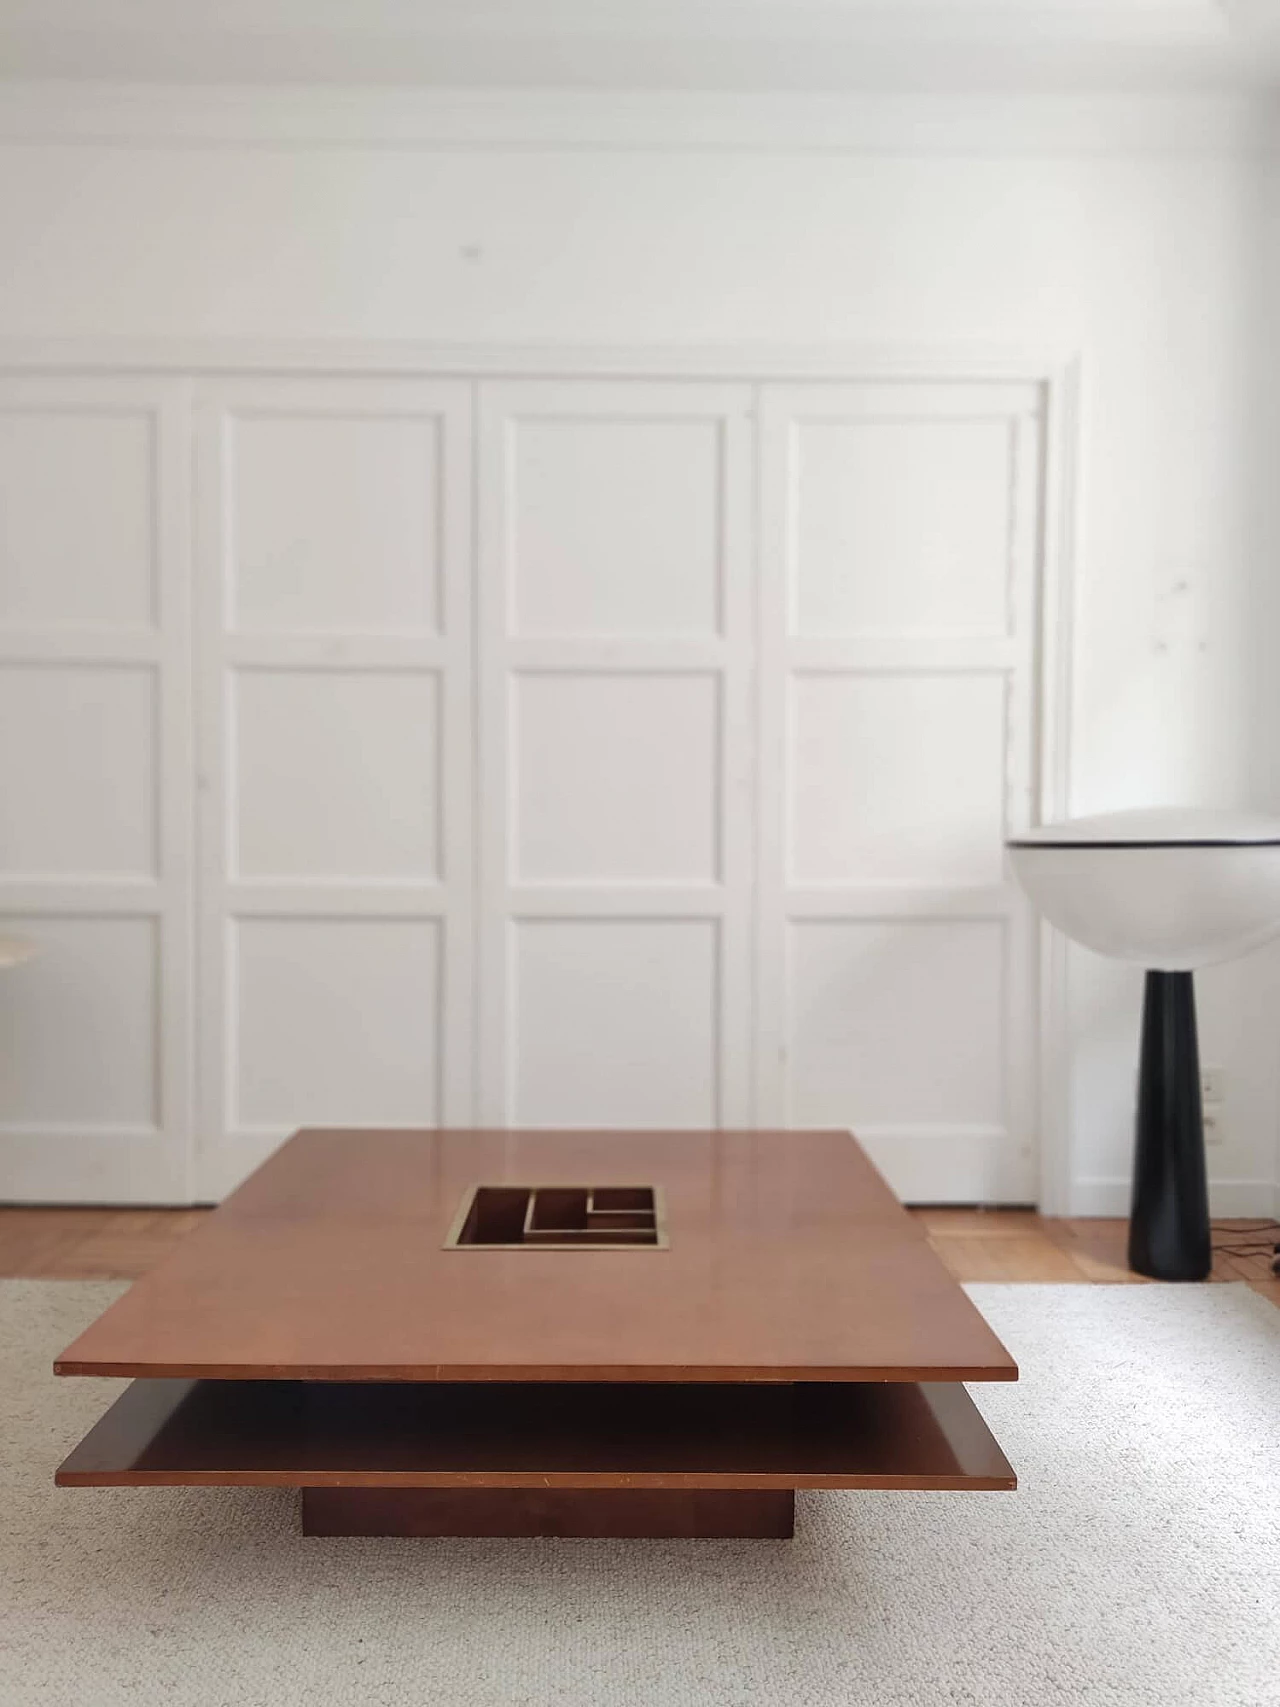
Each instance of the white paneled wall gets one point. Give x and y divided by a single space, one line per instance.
534 751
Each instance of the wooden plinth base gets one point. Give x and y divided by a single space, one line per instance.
628 1513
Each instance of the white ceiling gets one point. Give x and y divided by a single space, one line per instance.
782 44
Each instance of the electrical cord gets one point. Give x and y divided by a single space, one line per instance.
1255 1238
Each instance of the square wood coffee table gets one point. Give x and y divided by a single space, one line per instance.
548 1333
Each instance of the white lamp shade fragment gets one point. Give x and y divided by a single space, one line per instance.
1171 889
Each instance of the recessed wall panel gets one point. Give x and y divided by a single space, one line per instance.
335 1021
616 525
335 521
79 1025
897 778
78 508
901 527
615 777
896 1022
77 771
337 774
613 1022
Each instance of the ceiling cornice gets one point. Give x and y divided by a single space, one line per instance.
674 44
152 116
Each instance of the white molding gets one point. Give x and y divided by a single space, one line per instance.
983 121
1063 511
82 1164
943 1163
101 647
411 359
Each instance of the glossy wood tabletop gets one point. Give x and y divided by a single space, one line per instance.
788 1259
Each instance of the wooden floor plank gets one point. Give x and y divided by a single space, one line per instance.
1020 1256
38 1243
128 1244
1097 1248
950 1223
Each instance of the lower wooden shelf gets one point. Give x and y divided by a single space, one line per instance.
539 1436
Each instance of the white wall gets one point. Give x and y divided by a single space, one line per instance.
1146 258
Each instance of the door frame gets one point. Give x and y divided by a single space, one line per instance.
1060 374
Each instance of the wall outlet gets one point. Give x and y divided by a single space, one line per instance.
1213 1094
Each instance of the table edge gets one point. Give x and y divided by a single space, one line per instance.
453 1372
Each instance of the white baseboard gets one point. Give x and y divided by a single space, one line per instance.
1110 1196
950 1164
108 1166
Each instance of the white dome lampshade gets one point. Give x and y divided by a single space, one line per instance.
1172 889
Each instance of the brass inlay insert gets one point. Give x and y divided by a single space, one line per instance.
559 1218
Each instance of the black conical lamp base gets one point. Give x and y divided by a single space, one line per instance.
1169 1223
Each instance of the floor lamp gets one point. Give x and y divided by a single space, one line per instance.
1172 890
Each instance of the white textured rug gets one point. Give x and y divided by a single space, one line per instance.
1137 1566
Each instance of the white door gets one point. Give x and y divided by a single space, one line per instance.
333 652
900 530
616 653
95 790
